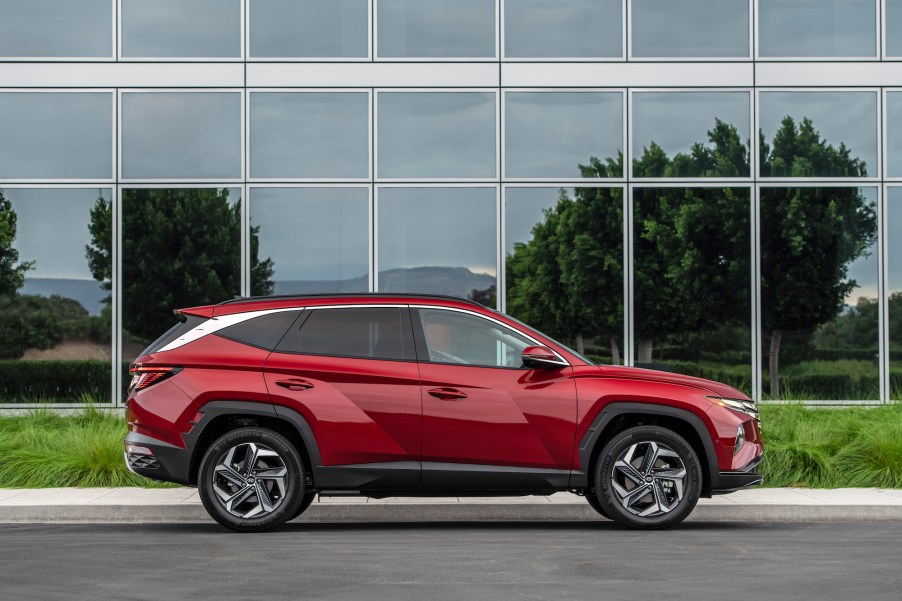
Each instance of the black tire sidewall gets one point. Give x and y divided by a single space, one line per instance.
306 501
605 465
294 493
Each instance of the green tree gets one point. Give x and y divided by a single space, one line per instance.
180 247
724 156
12 275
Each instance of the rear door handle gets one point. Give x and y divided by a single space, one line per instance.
448 394
294 384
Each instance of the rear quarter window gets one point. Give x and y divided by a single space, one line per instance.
262 332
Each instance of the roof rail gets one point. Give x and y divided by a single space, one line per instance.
253 299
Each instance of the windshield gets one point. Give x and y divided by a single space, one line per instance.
532 330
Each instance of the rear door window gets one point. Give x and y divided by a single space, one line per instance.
362 332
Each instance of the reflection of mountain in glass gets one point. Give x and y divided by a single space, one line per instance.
90 294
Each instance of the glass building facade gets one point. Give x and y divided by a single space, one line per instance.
711 187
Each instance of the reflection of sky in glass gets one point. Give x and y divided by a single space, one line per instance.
549 134
894 134
56 28
59 135
563 28
321 134
181 135
436 28
715 28
864 271
817 28
893 16
848 117
181 28
523 209
313 233
445 227
894 239
436 134
677 120
308 28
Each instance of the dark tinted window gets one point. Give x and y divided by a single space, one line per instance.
373 333
264 331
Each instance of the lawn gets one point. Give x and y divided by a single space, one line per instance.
819 448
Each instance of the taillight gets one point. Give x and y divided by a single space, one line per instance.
146 376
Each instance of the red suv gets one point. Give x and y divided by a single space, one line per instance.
262 403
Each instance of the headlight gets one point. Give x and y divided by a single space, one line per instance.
747 407
740 438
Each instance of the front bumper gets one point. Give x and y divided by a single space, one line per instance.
167 463
727 482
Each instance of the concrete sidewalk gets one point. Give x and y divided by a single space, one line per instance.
182 505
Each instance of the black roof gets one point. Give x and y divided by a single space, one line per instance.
254 299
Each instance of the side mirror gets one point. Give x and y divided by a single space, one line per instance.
542 357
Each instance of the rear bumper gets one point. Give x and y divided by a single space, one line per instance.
727 482
167 463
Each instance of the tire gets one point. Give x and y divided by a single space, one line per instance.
652 458
592 498
251 480
305 504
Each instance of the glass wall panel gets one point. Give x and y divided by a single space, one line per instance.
819 293
893 38
181 247
691 134
56 28
437 134
316 239
56 135
181 28
309 135
818 134
894 134
563 28
558 134
690 28
894 289
309 29
438 241
564 265
817 28
435 28
181 135
54 306
691 273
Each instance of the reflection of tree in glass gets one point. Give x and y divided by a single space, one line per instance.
799 151
725 156
181 247
12 276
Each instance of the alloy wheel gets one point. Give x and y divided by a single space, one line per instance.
649 479
250 480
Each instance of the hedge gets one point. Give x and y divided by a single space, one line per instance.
23 381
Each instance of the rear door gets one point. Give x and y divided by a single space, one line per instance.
352 373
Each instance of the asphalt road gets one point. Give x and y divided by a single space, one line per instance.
432 562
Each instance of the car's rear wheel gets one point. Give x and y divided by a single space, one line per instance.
648 477
251 480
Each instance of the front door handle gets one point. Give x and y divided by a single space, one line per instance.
448 394
294 384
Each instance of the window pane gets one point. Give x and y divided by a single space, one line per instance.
56 135
563 28
817 28
575 296
894 288
309 28
63 303
690 134
556 134
437 134
461 339
372 333
263 332
893 27
181 135
804 134
692 270
317 238
56 28
819 293
181 28
309 135
894 134
690 28
180 248
436 28
438 241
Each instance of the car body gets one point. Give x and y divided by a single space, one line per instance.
404 394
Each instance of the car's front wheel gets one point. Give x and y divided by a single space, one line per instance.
251 480
648 477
